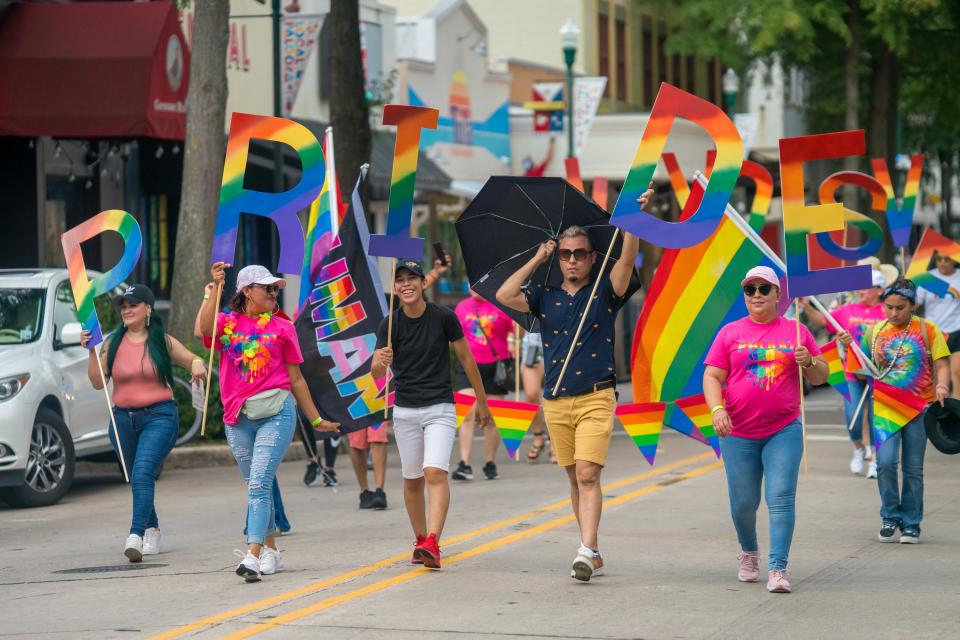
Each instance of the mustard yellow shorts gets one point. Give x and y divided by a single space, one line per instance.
580 426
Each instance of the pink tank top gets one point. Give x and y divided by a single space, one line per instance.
135 380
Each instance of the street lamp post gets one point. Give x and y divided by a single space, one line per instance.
731 87
569 36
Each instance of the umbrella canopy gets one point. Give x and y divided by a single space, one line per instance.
511 217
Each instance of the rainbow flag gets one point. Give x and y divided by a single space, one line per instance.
464 402
893 409
854 364
512 419
837 377
932 242
323 223
695 409
694 292
680 423
643 423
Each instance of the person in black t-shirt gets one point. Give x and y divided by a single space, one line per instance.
424 415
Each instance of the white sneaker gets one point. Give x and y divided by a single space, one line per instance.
588 564
856 462
249 567
134 548
151 541
872 469
868 455
270 561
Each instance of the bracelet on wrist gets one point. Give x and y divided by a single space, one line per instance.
206 296
813 363
714 410
316 421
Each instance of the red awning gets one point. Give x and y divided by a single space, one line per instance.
93 70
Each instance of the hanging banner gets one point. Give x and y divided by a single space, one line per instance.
587 93
548 106
299 38
337 328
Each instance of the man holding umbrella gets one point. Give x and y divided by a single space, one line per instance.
579 406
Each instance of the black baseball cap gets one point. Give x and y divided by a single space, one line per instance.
412 266
136 293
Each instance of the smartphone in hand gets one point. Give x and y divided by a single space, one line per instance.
439 253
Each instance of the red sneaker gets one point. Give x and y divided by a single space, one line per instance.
415 559
427 552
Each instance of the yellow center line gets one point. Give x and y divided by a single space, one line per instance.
362 571
480 549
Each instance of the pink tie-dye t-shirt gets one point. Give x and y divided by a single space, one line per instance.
762 392
856 318
481 320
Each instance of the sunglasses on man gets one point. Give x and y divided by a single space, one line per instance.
577 254
269 288
764 289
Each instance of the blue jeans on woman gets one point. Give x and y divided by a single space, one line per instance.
904 510
258 446
279 514
857 389
748 463
147 435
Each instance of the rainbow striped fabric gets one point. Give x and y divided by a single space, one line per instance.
463 403
512 419
931 242
694 412
84 289
893 409
323 223
837 377
643 423
854 365
900 218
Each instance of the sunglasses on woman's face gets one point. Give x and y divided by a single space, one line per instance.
944 259
269 288
577 254
764 289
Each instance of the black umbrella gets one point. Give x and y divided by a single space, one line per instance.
511 217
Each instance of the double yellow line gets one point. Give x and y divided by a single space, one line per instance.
412 574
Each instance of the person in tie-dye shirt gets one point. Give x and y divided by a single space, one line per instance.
911 354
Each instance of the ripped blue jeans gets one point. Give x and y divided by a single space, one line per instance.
259 446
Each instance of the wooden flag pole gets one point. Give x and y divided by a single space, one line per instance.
856 413
213 347
586 309
386 386
113 419
803 412
516 366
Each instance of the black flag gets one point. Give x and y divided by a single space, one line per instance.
337 327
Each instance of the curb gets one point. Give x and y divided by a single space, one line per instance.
197 457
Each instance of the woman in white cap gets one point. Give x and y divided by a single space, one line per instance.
856 317
139 357
945 312
259 370
752 386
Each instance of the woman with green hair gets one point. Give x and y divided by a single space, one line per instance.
139 358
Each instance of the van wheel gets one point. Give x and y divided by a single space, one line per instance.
50 465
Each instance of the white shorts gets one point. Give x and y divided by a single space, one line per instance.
424 437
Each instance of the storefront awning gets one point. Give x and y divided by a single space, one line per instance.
93 70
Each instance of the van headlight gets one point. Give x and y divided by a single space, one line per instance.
9 387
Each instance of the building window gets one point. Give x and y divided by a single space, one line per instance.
713 90
620 42
647 53
603 47
662 57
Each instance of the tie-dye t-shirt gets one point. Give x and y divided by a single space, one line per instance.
856 318
477 316
762 392
253 357
911 369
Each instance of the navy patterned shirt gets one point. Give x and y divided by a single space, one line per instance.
559 314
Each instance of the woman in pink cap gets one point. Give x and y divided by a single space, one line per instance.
752 386
259 372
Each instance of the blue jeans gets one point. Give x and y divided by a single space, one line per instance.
258 446
906 509
279 515
147 435
856 391
748 462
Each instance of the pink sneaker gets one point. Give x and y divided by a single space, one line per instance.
749 566
777 581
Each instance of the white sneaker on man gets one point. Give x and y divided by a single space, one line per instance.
588 564
134 548
872 469
856 462
151 541
270 561
249 567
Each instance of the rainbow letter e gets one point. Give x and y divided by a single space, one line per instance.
396 242
670 103
84 289
280 207
799 220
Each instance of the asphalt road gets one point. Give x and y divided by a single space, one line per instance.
666 535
